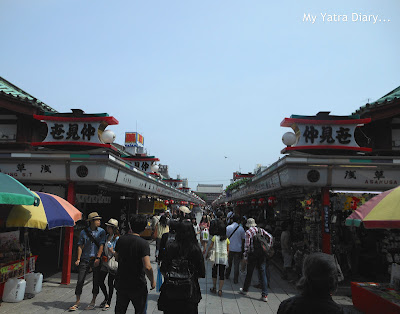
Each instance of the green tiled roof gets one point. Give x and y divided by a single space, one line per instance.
394 94
389 97
10 90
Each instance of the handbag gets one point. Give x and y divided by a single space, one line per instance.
211 256
112 264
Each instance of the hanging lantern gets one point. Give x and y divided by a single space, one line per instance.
171 202
272 201
261 201
182 203
253 201
166 202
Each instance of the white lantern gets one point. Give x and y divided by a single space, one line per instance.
108 136
180 185
154 168
289 138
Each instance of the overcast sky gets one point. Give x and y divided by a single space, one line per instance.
202 80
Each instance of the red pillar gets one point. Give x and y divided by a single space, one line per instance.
326 235
68 241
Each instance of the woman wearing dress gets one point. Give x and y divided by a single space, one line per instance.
220 243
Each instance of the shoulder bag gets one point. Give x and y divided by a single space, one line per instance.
104 258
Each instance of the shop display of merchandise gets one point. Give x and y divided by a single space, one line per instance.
10 247
390 247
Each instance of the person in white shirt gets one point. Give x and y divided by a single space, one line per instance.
236 235
196 228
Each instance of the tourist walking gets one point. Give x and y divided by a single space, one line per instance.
90 248
133 255
196 228
220 244
161 228
254 259
184 260
204 229
109 266
236 236
167 239
318 282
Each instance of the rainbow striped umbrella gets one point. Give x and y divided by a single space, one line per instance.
52 212
380 212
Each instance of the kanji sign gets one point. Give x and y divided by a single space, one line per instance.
327 135
68 129
332 132
72 132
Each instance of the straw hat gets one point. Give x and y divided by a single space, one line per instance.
251 223
112 223
93 216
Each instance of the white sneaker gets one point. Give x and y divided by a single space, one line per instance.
241 291
264 298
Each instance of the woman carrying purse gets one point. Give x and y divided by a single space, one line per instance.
109 265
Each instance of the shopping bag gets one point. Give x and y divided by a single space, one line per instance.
159 281
205 234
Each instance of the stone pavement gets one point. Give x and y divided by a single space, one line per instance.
56 298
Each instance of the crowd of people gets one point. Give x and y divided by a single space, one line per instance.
228 241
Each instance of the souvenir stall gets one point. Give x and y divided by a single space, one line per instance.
381 212
51 212
15 257
12 256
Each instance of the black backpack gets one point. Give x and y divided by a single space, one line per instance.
261 247
170 240
178 282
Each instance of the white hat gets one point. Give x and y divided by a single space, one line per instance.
112 223
251 223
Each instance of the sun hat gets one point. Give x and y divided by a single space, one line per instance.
251 223
112 223
93 216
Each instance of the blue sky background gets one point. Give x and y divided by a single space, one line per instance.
201 79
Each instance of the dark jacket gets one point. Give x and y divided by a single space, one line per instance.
302 304
196 260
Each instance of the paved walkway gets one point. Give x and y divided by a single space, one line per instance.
56 298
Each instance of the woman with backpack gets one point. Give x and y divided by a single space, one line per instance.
182 265
220 243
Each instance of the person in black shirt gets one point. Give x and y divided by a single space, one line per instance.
185 246
133 255
318 282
